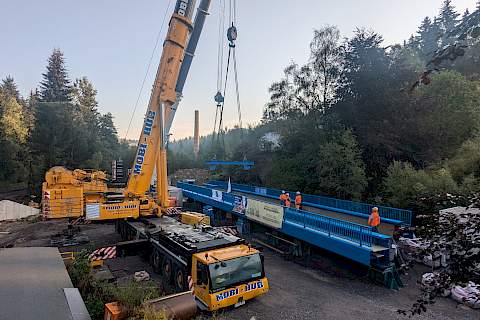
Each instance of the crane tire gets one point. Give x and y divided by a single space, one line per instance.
156 261
167 270
179 279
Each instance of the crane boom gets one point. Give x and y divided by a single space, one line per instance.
151 149
134 201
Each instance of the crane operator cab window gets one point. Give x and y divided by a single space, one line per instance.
229 273
202 274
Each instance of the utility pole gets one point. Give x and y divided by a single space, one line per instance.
196 135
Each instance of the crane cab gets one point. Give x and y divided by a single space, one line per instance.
228 277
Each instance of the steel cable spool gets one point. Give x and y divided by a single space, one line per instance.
176 306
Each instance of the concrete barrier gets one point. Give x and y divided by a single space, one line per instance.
10 210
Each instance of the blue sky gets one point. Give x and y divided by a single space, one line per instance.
110 42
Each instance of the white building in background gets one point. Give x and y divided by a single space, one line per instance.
269 141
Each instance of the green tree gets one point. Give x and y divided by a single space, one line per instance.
52 144
85 95
29 108
86 116
285 100
340 169
447 114
308 89
326 60
368 99
429 34
448 19
55 86
13 137
108 139
9 88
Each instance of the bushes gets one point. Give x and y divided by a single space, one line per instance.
404 184
465 165
132 294
96 294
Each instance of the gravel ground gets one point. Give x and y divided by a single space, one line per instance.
303 293
330 288
31 232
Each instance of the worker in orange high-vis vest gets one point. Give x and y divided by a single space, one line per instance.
298 200
374 219
283 198
288 201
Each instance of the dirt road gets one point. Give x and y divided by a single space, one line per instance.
331 288
303 293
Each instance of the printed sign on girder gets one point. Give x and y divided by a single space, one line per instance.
266 213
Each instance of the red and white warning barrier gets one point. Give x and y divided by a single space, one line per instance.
103 253
191 286
172 211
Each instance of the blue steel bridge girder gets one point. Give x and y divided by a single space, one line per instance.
351 240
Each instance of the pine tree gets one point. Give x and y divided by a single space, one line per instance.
55 86
465 14
9 88
448 18
428 36
84 94
29 108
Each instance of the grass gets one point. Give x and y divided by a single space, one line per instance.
148 313
96 294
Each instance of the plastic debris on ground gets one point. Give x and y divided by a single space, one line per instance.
414 247
141 276
429 282
468 295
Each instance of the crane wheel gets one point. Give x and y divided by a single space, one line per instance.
179 279
167 270
156 261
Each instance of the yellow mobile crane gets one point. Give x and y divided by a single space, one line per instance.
151 151
221 269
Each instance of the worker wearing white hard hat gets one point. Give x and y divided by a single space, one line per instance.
283 198
298 200
374 219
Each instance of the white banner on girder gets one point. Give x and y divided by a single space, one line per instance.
266 213
217 195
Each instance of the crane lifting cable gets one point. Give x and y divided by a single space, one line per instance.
218 136
219 96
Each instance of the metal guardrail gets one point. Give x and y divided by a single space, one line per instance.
353 232
364 208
